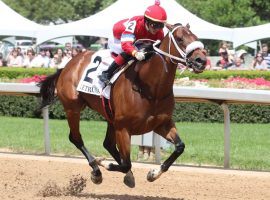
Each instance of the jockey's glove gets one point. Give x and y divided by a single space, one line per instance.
139 55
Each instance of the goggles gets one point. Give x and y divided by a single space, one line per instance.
156 25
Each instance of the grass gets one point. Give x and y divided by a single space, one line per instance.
250 143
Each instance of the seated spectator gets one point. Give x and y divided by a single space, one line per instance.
68 46
60 55
54 61
41 60
259 63
75 51
67 57
49 56
265 54
238 65
223 46
14 60
49 53
224 62
20 53
241 54
29 58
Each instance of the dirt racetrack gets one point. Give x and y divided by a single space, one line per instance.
28 177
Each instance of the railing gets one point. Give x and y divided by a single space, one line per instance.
221 96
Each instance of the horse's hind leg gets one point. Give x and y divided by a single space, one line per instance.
124 164
110 143
169 132
122 157
123 144
73 118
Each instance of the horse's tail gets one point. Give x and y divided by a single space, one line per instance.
47 89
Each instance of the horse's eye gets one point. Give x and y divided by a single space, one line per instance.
179 40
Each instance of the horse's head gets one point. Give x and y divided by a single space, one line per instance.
184 47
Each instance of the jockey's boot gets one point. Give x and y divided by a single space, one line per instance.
107 75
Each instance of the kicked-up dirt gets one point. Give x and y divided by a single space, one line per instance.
28 177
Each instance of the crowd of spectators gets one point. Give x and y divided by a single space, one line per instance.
45 58
229 60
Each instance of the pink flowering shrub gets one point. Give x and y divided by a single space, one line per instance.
238 82
235 82
33 79
256 81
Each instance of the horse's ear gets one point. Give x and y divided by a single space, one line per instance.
169 26
188 26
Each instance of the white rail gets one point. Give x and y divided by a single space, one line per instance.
19 88
225 95
220 96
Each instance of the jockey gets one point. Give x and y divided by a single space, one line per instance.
127 31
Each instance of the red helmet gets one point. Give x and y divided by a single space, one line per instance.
156 13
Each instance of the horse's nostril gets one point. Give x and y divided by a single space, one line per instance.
201 60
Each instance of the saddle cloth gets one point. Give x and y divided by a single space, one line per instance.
89 82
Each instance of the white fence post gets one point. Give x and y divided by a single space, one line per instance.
226 135
47 142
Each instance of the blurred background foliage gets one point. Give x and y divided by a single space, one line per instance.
227 13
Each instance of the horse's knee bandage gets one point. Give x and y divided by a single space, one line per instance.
179 147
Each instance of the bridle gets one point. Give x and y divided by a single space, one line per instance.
184 55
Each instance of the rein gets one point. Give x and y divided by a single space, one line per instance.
183 59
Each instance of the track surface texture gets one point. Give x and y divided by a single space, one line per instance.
28 177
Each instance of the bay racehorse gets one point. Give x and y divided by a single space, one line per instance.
134 111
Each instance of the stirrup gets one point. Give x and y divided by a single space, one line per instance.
103 77
107 82
104 80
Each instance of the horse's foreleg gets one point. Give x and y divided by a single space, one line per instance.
174 138
76 139
179 149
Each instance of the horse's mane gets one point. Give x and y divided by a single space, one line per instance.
178 24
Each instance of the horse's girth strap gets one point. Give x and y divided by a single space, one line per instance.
107 109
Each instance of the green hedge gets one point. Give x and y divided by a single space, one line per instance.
225 74
25 106
18 72
14 72
190 112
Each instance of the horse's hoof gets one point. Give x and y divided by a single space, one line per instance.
96 179
153 175
129 180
